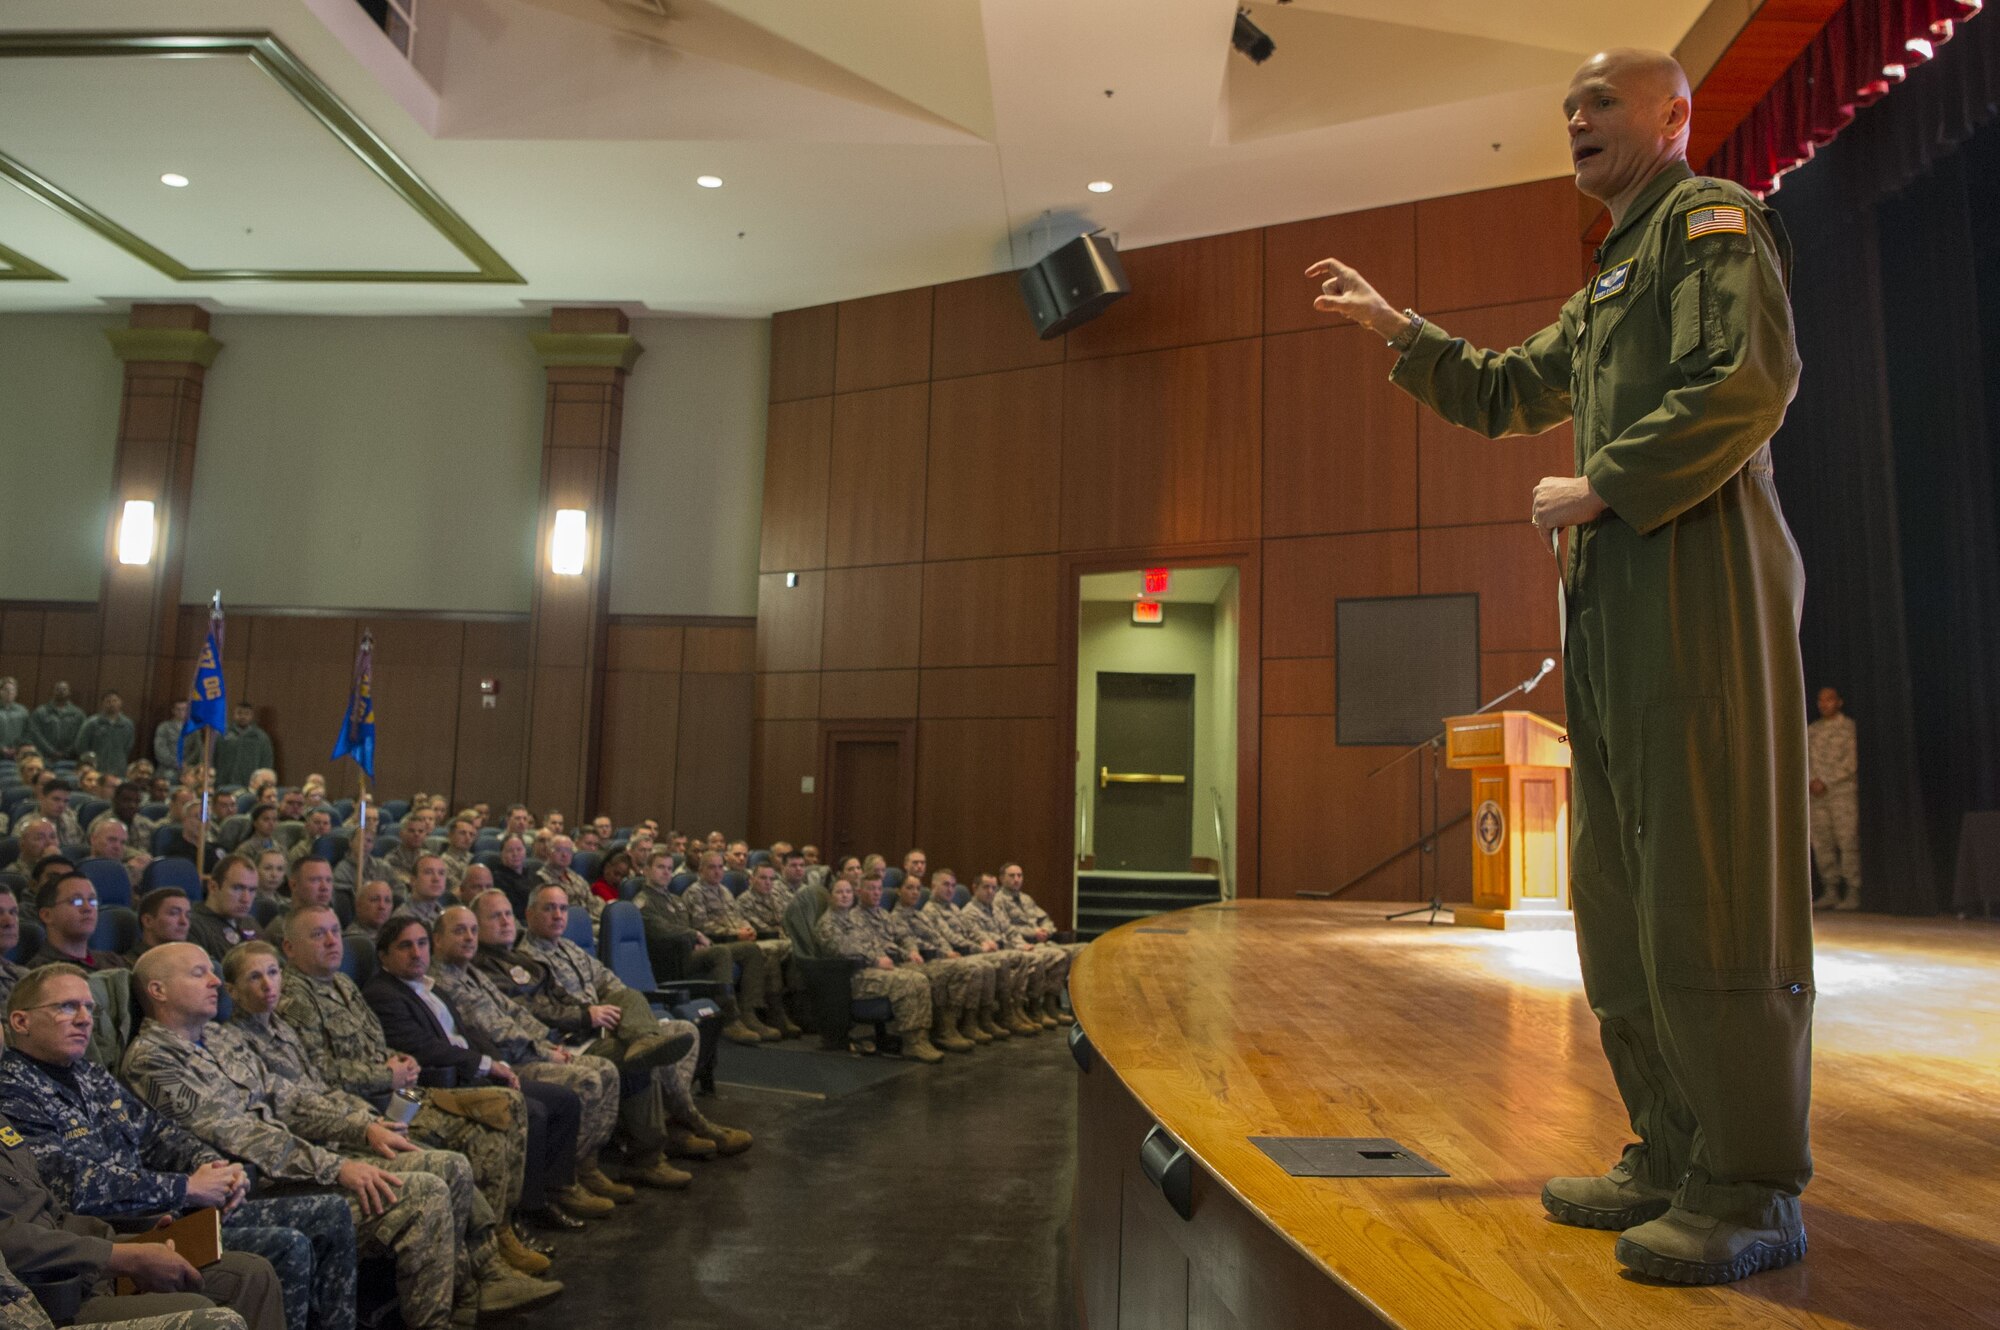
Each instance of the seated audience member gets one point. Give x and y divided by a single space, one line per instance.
572 992
1049 966
1036 928
736 856
538 848
949 982
167 737
844 931
107 739
710 908
612 876
501 1028
127 801
417 1022
372 909
553 823
588 841
254 973
313 787
556 872
348 1049
67 906
292 806
263 832
310 882
186 843
52 800
402 857
319 822
968 985
54 725
223 919
679 950
36 837
345 877
520 822
604 827
164 914
209 1079
430 889
459 838
474 882
511 875
104 1153
143 826
10 938
640 846
272 873
816 872
1006 1016
677 841
763 905
108 838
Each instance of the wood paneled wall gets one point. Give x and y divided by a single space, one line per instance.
933 470
678 701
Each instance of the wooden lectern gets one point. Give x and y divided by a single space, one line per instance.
1520 818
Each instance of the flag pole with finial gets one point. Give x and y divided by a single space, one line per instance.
357 740
208 707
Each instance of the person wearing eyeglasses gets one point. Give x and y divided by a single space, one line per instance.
68 909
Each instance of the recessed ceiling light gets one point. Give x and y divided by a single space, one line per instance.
1099 187
709 181
175 179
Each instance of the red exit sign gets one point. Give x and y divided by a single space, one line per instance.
1148 612
1155 581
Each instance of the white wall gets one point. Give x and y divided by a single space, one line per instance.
60 387
364 463
1226 671
691 469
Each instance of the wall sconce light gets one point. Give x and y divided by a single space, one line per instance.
135 532
567 543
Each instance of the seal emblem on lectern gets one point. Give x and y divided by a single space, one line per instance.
1489 827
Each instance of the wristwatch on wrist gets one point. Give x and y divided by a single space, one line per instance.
1407 338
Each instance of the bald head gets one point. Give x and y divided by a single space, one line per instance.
1628 113
177 985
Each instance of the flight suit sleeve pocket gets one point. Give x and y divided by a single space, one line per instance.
1690 348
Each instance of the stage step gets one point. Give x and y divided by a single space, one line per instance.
1104 900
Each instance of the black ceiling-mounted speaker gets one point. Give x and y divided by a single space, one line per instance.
1073 284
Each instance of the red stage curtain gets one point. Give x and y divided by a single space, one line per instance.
1865 49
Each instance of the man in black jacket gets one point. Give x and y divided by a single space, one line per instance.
417 1020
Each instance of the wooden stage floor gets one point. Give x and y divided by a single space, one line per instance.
1475 1049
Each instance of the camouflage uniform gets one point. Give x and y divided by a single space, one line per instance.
1016 968
379 870
1045 968
930 934
101 1151
400 864
571 979
671 947
344 1041
848 933
581 897
19 1310
765 911
1028 917
953 982
1835 815
713 911
455 863
10 974
216 934
491 1016
222 1092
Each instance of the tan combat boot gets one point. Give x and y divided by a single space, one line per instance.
516 1254
653 1170
590 1176
1015 1019
1617 1200
917 1045
575 1201
989 1021
1056 1010
1045 1012
945 1035
502 1288
1683 1247
685 1144
736 1032
968 1025
728 1140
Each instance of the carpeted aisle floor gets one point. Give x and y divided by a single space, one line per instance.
938 1198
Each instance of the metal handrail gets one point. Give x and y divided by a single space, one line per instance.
1222 846
1082 820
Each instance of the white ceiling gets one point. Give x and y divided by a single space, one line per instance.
865 145
1185 586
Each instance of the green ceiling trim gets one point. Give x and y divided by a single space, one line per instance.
271 56
182 346
606 350
18 267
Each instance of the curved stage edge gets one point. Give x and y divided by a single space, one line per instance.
1475 1050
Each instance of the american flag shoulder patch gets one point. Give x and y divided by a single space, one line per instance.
1720 218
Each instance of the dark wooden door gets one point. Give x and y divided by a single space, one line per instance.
1144 782
866 802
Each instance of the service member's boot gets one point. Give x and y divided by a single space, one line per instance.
736 1032
1045 1012
989 1021
1055 1009
685 1144
653 1170
1850 897
656 1050
502 1288
1017 1020
574 1201
728 1140
770 1033
590 1176
787 1027
945 1035
1617 1200
917 1044
1683 1247
968 1026
516 1253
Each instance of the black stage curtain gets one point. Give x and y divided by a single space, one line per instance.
1886 463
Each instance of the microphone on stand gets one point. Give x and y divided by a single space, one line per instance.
1548 665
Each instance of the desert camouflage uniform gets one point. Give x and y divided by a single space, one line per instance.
401 864
222 1092
953 982
985 971
1835 815
1016 968
1045 967
101 1151
455 863
344 1042
1028 917
669 942
849 933
714 911
765 912
487 1012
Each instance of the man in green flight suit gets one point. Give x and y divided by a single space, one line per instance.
1683 683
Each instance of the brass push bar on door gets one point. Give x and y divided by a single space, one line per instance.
1106 777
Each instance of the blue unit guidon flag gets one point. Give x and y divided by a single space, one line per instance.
208 701
357 727
1721 218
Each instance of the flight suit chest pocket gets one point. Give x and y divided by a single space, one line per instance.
1693 348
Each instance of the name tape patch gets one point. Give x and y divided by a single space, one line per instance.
1721 218
1610 282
